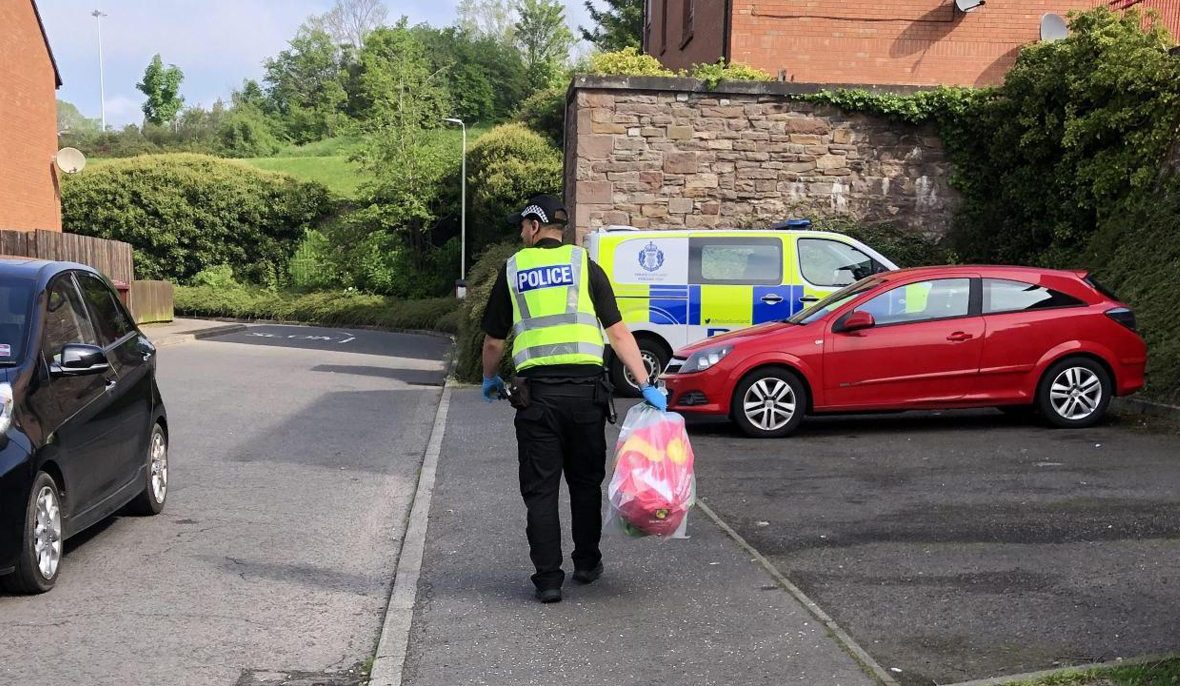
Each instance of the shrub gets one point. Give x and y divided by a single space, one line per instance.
713 74
184 213
469 355
627 62
322 308
505 167
544 113
247 132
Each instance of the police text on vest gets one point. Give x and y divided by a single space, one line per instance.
544 277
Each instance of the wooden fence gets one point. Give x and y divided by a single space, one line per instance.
112 258
151 301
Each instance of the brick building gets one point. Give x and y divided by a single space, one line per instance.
912 42
29 191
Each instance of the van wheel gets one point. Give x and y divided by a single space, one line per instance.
769 403
1074 393
655 360
41 541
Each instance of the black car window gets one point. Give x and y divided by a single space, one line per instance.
1002 295
920 302
110 318
66 320
15 296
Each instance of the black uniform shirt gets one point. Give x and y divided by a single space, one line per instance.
497 318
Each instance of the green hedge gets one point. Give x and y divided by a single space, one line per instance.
469 363
184 213
326 309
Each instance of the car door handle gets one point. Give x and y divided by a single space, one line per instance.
112 381
960 336
809 299
772 298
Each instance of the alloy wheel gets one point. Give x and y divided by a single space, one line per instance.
1076 393
651 365
47 541
769 404
159 466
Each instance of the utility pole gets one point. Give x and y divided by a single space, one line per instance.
102 96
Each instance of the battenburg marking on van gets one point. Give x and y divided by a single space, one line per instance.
544 277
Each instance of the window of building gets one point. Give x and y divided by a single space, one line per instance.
1001 295
663 26
689 18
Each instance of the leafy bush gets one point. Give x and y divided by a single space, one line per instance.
713 74
323 308
183 213
469 343
505 167
627 62
313 266
544 112
247 132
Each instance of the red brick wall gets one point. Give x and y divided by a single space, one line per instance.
679 46
29 194
916 42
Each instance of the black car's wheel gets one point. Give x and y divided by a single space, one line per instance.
1075 393
655 359
39 562
769 403
155 491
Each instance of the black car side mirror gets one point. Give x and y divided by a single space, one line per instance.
78 359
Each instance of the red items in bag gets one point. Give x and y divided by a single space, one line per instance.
653 485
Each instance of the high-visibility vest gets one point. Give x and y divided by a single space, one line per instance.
553 317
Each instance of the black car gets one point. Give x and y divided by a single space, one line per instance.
83 431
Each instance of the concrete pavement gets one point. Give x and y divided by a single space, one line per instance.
685 612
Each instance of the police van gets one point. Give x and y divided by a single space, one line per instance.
676 287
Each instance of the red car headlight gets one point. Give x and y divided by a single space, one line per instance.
705 359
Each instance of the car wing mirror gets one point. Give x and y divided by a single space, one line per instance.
857 321
78 359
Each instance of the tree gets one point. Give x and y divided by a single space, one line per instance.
489 18
620 26
161 85
69 119
544 39
349 22
485 76
305 86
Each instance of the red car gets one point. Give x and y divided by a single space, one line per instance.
1016 338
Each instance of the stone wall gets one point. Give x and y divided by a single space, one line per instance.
666 153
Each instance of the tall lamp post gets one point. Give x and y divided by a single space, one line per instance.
102 96
461 286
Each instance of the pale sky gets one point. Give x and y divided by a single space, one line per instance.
217 43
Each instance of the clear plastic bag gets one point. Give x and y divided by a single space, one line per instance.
653 485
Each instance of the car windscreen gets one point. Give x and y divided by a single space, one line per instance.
15 297
834 301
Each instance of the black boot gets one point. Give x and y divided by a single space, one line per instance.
549 595
588 576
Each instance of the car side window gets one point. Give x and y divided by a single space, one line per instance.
66 319
110 318
921 301
828 263
736 261
1003 295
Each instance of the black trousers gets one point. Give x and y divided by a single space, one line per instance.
562 430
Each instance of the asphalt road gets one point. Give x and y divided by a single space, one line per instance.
294 455
965 545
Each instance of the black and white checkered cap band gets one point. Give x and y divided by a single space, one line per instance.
534 209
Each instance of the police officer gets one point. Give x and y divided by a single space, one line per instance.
553 298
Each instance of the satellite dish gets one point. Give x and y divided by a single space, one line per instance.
966 6
1053 27
70 160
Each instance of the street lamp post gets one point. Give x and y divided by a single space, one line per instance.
462 285
102 96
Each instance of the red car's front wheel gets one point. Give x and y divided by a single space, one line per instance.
769 403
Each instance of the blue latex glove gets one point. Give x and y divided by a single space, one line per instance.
492 388
655 397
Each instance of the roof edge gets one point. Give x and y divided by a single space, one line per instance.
48 47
